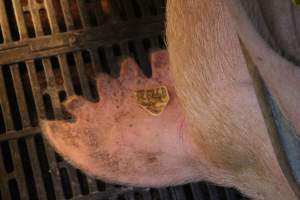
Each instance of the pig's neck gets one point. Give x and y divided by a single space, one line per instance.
213 83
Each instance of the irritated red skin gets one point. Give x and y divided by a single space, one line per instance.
118 141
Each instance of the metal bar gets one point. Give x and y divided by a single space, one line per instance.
37 175
20 95
5 104
110 187
20 19
154 43
2 169
164 194
72 174
95 61
111 61
142 55
66 74
82 75
3 179
14 135
83 13
94 37
67 14
18 169
177 193
129 196
4 188
50 154
213 193
92 184
196 191
34 9
36 91
230 194
146 195
99 12
51 16
4 23
52 88
104 195
74 180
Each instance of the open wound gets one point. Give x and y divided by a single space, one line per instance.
154 100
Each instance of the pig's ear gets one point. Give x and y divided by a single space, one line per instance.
129 70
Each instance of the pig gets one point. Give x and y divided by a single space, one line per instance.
200 116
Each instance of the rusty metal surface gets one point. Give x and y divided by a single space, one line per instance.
49 50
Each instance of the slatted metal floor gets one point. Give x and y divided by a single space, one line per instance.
49 50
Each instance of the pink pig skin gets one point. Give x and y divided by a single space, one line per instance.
118 141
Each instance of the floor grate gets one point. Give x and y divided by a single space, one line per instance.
49 50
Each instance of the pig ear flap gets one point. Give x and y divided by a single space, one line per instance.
129 70
160 64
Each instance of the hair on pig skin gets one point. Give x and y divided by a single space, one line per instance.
219 99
